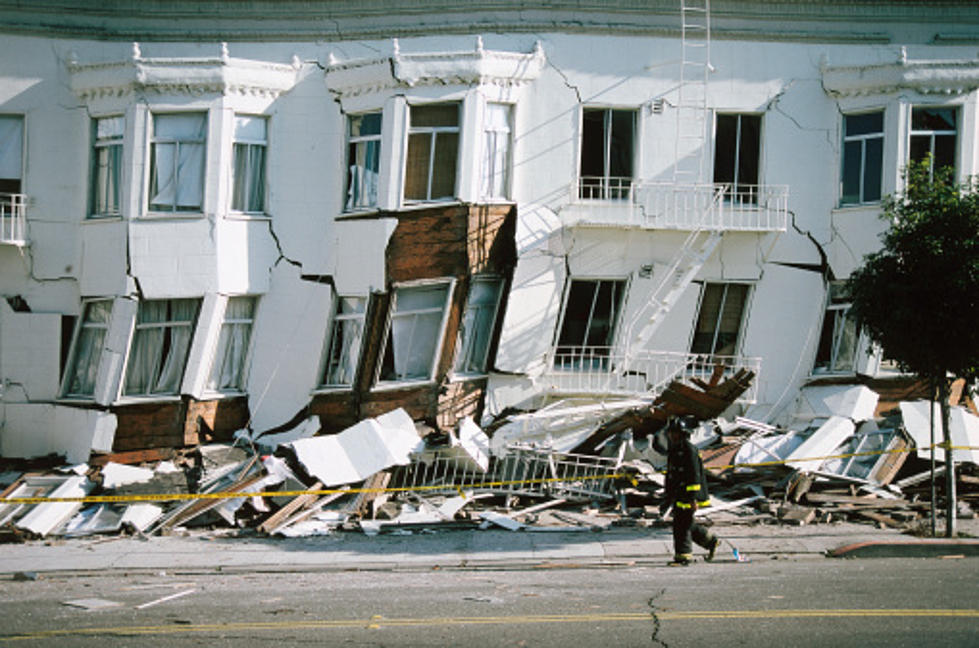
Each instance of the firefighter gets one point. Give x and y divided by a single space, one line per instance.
686 491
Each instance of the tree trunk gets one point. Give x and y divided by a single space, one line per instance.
943 393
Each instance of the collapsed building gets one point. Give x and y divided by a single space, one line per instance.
216 223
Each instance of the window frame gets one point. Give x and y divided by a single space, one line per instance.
392 314
336 321
96 357
465 345
433 133
354 143
716 331
863 139
932 134
607 186
839 306
21 152
241 379
495 173
98 176
584 356
736 193
154 140
249 144
137 327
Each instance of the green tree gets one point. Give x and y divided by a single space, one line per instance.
918 296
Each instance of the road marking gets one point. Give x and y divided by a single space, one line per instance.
378 622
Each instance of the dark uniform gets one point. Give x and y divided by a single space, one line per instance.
686 490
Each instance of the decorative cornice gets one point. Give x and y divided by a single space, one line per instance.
475 67
222 75
952 77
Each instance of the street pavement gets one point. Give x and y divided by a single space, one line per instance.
224 551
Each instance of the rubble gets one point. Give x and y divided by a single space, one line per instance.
569 466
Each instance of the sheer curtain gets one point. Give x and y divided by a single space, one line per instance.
496 151
248 193
348 328
177 161
227 372
88 349
160 344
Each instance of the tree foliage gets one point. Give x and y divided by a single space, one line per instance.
918 296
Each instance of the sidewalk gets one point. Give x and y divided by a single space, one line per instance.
209 551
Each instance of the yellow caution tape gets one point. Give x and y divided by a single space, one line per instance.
171 497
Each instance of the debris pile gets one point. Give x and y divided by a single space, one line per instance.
572 465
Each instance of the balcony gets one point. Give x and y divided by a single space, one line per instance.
13 219
624 202
613 372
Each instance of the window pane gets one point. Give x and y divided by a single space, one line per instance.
413 337
873 169
476 328
864 124
496 151
435 115
591 313
249 128
620 151
852 154
160 345
177 162
444 169
369 124
228 368
920 147
750 149
11 147
944 151
719 321
417 166
933 119
343 349
248 193
593 144
725 148
83 366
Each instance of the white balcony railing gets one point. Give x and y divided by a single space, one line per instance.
13 219
675 206
608 371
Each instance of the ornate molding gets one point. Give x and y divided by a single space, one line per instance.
952 77
221 75
475 67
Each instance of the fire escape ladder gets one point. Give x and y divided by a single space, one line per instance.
691 109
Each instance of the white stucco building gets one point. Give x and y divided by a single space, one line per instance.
215 218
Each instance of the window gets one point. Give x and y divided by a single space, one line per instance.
106 194
414 334
86 349
719 321
863 154
11 153
159 348
933 133
736 155
343 347
607 152
433 146
228 369
838 342
476 327
494 183
177 162
363 161
248 193
588 325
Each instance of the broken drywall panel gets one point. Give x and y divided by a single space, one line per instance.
499 519
963 430
471 447
203 344
288 335
140 516
358 262
822 443
115 475
359 451
46 518
269 442
29 362
246 253
104 256
40 429
98 518
855 402
173 256
108 376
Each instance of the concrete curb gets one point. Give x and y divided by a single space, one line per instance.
929 548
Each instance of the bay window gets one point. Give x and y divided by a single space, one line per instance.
177 152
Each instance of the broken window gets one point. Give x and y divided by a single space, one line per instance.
496 151
250 143
607 153
160 344
588 324
106 190
228 369
11 153
343 347
838 341
737 149
433 146
719 320
863 156
413 339
476 327
86 349
933 133
177 162
363 160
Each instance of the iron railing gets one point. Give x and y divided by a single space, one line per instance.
13 218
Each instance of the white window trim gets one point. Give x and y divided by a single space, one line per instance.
742 324
461 375
122 396
352 140
90 212
626 281
607 179
863 139
328 347
382 385
433 130
932 133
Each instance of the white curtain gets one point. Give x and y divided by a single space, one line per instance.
227 372
415 330
348 329
88 349
249 172
496 151
364 165
178 161
160 344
